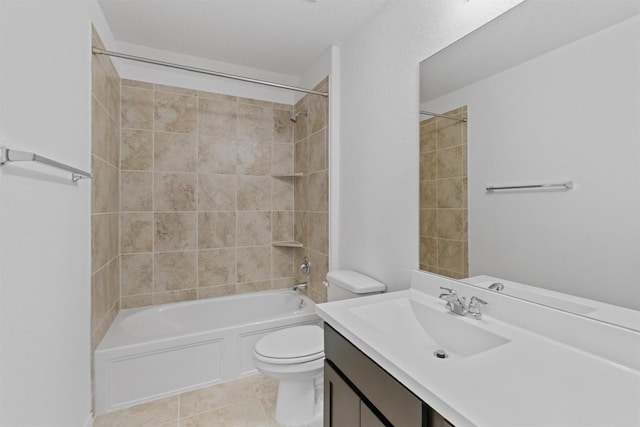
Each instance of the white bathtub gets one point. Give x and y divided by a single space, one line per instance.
158 351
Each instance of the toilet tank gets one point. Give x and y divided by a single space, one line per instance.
343 284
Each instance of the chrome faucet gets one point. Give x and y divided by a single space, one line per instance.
459 306
454 303
497 286
300 286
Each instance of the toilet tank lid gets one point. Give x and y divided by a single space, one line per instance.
354 282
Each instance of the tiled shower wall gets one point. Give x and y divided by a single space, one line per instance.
105 205
199 206
443 195
312 190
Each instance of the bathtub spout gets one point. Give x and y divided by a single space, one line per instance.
300 286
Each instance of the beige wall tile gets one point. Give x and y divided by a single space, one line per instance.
216 155
428 222
174 152
136 274
282 193
105 292
452 224
174 231
282 226
136 301
317 113
282 126
282 282
174 271
136 191
216 192
301 227
104 239
428 194
428 251
428 164
254 193
451 255
217 267
318 196
174 191
319 270
137 83
254 158
318 232
175 113
448 133
449 162
137 108
428 140
450 193
136 150
282 158
217 118
218 96
301 193
318 151
254 263
174 89
174 296
216 291
301 156
216 230
301 127
136 232
244 288
281 262
104 187
255 123
254 228
104 134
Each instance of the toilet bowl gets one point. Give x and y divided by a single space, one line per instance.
295 356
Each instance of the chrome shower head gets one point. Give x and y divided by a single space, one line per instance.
294 118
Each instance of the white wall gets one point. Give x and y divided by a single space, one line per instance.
572 113
379 151
45 277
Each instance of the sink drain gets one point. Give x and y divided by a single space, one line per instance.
440 354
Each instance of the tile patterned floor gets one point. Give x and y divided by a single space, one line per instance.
247 402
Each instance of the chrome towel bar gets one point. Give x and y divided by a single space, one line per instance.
568 185
8 155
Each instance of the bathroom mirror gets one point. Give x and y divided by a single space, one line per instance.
546 94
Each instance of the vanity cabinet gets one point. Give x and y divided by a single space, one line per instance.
358 392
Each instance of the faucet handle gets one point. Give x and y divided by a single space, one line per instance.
451 291
474 310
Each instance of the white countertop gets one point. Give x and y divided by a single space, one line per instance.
530 381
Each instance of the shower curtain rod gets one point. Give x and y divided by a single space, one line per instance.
98 51
428 113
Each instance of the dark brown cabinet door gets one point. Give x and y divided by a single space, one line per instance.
341 403
368 418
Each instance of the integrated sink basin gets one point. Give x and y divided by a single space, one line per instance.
425 328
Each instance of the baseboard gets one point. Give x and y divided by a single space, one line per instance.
89 421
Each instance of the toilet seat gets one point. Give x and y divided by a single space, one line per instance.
291 345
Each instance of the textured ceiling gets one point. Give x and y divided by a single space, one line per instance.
284 36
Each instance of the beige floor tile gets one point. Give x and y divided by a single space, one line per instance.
152 414
243 414
217 396
265 385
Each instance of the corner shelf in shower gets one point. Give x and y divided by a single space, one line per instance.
288 175
288 244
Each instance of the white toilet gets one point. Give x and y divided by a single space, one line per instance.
295 356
